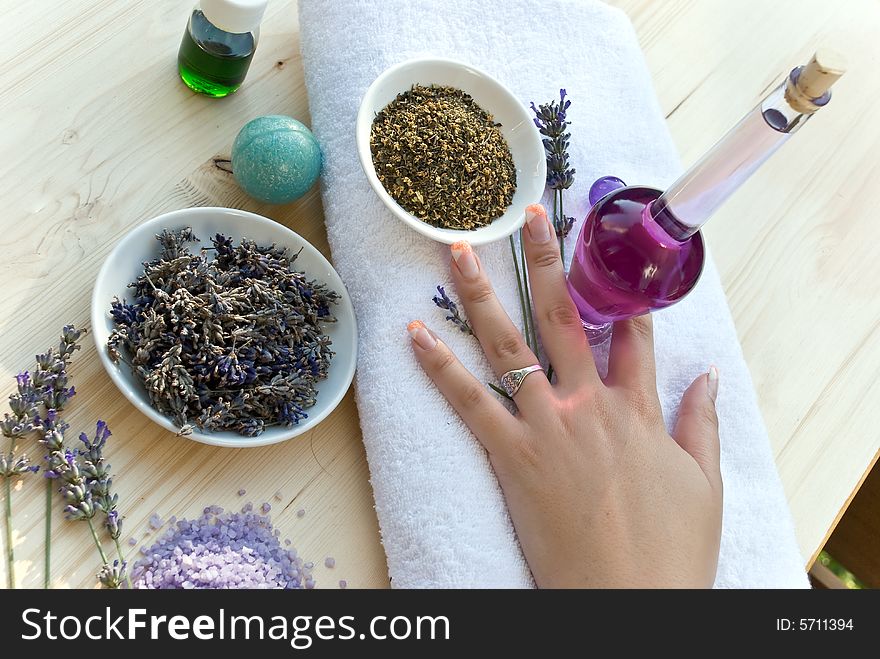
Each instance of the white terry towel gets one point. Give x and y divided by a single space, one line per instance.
441 513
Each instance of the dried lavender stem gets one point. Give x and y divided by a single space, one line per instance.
10 554
47 543
519 288
97 542
560 224
556 197
122 562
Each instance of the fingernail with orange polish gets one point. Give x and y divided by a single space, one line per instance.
465 259
420 334
537 223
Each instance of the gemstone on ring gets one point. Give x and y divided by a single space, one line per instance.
512 380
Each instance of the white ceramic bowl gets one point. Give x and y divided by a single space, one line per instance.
123 265
516 125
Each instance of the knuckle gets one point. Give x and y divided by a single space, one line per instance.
443 362
646 406
703 415
642 327
548 257
480 293
709 416
508 345
563 315
472 395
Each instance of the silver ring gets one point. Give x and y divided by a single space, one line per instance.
512 380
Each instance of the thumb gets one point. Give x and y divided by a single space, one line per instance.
696 429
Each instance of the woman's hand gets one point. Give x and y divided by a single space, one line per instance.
599 493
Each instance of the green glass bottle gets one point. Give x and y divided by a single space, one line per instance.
218 45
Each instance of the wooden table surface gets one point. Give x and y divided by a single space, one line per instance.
98 135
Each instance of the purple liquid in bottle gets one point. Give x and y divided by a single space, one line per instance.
626 264
640 250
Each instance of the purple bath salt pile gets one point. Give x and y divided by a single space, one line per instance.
221 550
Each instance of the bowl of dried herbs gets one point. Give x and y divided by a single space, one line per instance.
450 150
224 326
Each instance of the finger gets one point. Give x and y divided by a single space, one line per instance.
502 342
696 430
631 358
562 332
488 419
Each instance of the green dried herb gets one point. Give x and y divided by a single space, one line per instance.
442 158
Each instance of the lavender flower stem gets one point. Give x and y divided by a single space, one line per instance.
561 223
122 562
556 196
10 554
47 542
97 542
519 287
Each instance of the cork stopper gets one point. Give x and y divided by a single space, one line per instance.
813 81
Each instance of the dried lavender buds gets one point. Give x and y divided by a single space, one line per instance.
232 341
442 158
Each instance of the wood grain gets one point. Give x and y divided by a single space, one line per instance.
98 135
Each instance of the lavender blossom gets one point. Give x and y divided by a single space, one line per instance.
113 524
455 317
97 473
74 488
552 122
53 440
550 118
11 466
565 227
23 405
112 576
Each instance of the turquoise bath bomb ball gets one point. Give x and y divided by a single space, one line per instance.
275 159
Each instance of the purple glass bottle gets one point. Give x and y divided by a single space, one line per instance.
640 249
626 264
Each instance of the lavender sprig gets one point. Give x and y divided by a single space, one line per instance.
552 122
51 380
443 301
112 576
86 486
23 405
34 407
